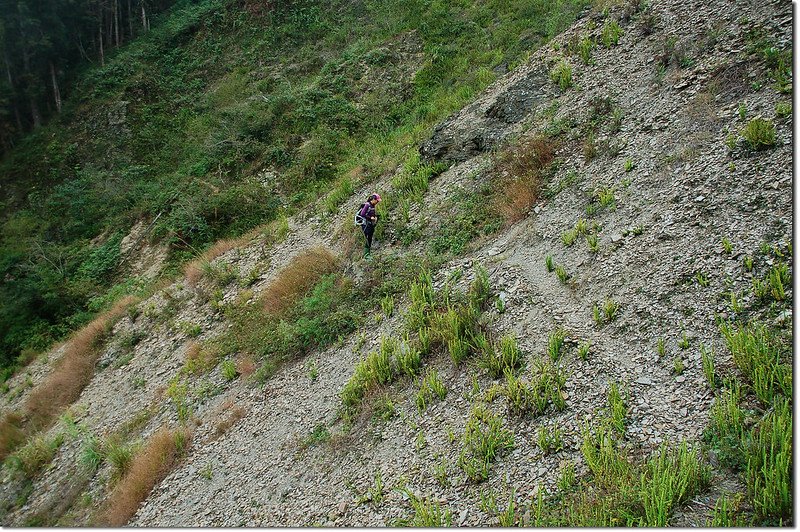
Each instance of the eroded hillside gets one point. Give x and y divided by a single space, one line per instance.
589 265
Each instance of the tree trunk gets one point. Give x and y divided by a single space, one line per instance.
56 92
82 50
100 37
116 21
18 118
35 114
130 21
8 71
145 22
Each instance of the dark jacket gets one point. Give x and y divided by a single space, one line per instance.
368 213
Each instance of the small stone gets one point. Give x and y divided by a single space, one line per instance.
680 378
616 238
644 380
342 507
462 517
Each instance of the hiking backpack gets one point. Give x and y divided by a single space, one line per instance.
358 219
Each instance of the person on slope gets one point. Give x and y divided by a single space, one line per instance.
370 217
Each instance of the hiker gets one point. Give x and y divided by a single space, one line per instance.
369 218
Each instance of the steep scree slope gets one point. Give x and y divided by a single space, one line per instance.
684 193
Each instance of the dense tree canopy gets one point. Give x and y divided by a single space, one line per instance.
42 42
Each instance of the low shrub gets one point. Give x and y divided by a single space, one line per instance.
524 168
769 466
428 513
669 478
194 270
37 453
611 33
485 440
430 388
12 434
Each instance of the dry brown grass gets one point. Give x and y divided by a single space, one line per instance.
269 233
194 270
148 468
74 370
245 365
11 434
297 278
522 169
235 413
201 359
193 358
348 238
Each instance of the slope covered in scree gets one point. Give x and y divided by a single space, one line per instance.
567 341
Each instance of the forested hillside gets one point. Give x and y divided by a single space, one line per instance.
215 118
44 45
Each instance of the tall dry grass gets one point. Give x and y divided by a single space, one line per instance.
522 168
348 238
269 234
149 467
194 270
245 365
11 434
227 416
297 278
74 370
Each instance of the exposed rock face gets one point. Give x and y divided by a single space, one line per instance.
485 123
140 256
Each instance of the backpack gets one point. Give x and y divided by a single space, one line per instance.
358 219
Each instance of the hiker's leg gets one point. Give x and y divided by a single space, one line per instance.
366 239
368 232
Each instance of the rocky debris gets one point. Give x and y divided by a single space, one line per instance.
485 123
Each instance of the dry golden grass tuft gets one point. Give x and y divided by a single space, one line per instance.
193 355
235 413
522 168
269 233
201 359
347 238
194 270
245 365
74 370
11 434
149 467
297 278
